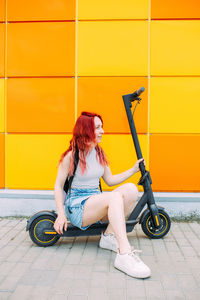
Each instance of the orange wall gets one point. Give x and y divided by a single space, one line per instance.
174 162
40 104
2 160
60 57
178 9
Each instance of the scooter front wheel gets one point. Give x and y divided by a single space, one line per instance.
150 230
41 231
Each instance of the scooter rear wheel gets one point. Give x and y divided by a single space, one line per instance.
149 228
38 228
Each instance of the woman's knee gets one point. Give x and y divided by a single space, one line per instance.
116 197
130 193
132 188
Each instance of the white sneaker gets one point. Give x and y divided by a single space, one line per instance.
108 242
132 265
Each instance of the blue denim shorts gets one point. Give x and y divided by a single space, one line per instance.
74 205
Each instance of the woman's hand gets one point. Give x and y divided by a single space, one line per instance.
60 223
136 166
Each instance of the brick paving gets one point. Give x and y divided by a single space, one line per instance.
77 269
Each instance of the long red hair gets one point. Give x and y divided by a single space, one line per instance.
83 135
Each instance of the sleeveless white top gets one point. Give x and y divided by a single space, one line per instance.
90 178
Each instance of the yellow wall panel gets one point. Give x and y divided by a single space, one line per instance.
31 160
40 104
23 10
112 48
41 49
175 162
103 95
174 105
2 49
175 47
112 9
2 105
2 10
2 160
121 155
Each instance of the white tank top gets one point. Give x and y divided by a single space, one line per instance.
90 178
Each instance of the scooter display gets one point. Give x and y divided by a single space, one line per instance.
154 220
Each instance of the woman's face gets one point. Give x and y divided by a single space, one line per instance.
98 129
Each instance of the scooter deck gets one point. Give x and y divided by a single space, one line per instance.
94 229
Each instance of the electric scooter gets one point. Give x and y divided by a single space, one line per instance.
154 220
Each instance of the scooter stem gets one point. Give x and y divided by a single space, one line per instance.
145 180
128 105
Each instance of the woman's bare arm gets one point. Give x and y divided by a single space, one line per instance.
58 194
111 180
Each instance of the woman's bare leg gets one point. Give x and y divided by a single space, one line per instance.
129 193
112 205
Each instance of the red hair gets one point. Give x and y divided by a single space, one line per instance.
83 135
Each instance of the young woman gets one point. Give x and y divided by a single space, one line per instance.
85 205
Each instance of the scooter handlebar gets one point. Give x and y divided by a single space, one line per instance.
135 94
138 92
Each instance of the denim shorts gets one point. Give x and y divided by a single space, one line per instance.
74 205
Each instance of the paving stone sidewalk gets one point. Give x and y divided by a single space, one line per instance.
76 268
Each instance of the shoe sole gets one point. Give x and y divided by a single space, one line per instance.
108 248
135 276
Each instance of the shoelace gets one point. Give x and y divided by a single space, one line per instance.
134 252
111 235
113 239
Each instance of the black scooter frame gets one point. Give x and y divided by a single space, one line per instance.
145 180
